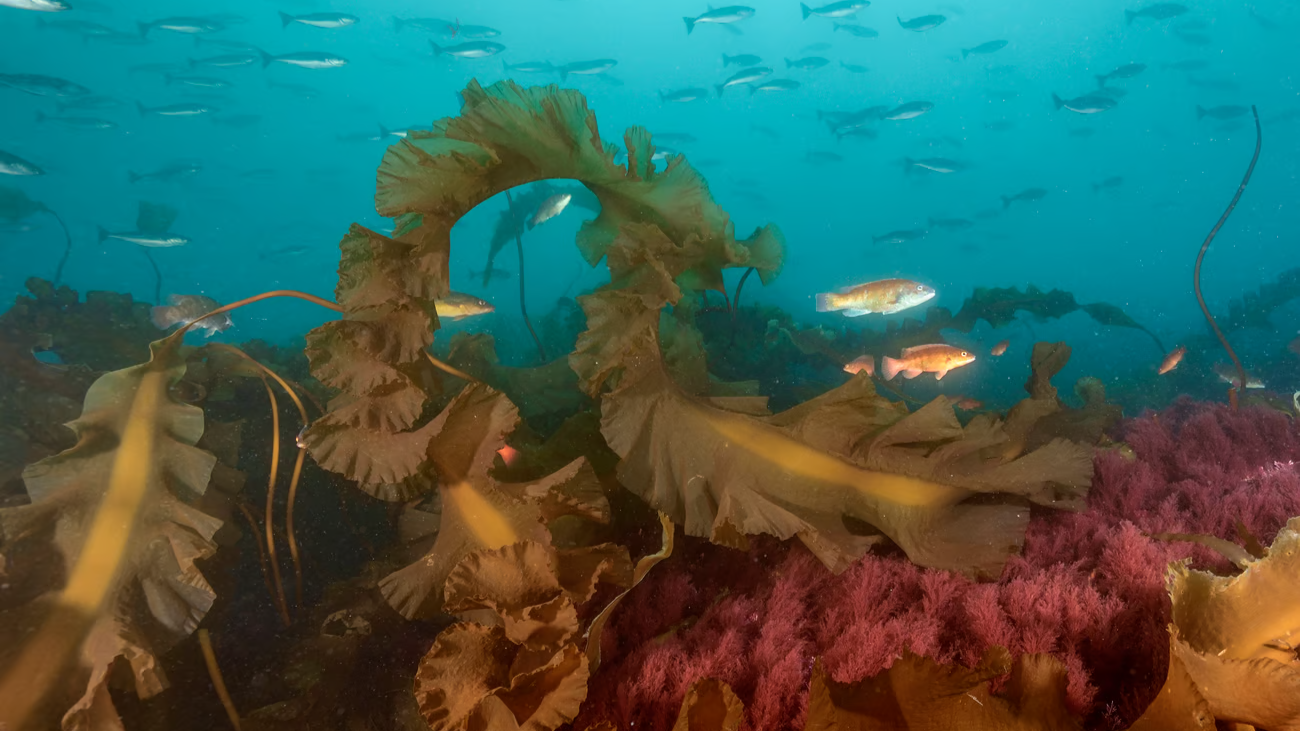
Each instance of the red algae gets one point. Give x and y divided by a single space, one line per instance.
1088 589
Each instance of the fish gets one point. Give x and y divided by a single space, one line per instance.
586 68
861 364
951 224
1158 11
225 61
181 25
319 20
1193 39
1127 71
472 49
774 85
882 297
841 9
909 110
965 403
531 67
900 237
1028 195
93 101
1191 64
923 23
1171 360
550 208
488 275
861 31
11 164
474 32
203 82
1086 104
175 110
76 122
841 122
818 157
305 59
40 6
744 76
999 348
167 174
806 64
458 306
741 59
38 85
1228 374
683 95
864 132
509 455
936 358
144 238
854 68
1227 111
186 308
985 48
1112 182
728 14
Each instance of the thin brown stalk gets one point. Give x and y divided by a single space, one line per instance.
218 683
261 549
281 603
180 332
449 369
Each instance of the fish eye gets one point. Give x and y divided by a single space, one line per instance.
964 354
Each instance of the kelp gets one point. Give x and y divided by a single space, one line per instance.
117 513
513 219
15 206
710 705
1044 416
551 388
155 218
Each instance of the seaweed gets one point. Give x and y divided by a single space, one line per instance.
15 206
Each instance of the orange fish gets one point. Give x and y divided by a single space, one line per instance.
1172 360
884 297
1000 348
509 455
861 364
965 403
937 359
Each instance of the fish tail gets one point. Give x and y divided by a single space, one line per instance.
564 74
143 28
1129 15
826 302
133 177
1200 112
890 367
787 63
384 131
721 88
285 20
908 164
198 41
397 24
266 58
1101 81
437 49
1006 202
102 233
964 53
1058 101
900 21
690 25
753 89
807 11
139 107
726 60
661 97
169 78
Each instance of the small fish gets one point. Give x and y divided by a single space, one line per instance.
587 68
965 403
861 31
883 297
93 102
817 157
1110 183
11 164
683 95
937 359
999 348
984 48
900 237
493 274
1028 195
854 68
175 110
1158 11
861 364
474 32
168 174
457 306
951 224
1228 374
509 455
186 308
863 132
923 23
38 85
300 441
1127 71
1225 112
550 208
806 64
40 6
473 49
1191 64
319 20
744 76
203 82
181 25
1172 360
774 85
742 59
144 238
841 9
729 14
1086 104
225 61
531 67
305 59
909 110
76 122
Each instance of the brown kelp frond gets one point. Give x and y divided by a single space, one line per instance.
1035 421
477 510
919 693
15 206
710 705
1254 308
118 511
725 475
513 220
546 389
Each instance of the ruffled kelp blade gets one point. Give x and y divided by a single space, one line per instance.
119 511
15 205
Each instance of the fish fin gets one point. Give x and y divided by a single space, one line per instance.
787 63
889 367
964 53
721 88
753 89
1129 15
437 49
384 131
1200 112
133 177
807 11
911 373
908 351
690 25
826 302
103 233
564 74
266 58
1101 81
143 27
285 20
900 21
139 107
1006 202
938 375
1058 101
855 312
169 78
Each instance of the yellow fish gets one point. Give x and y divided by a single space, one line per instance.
457 305
882 297
937 359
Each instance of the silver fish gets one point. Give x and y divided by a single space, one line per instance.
531 67
319 20
774 85
76 122
203 82
683 95
807 64
984 48
743 59
11 164
305 59
144 238
83 28
745 76
729 14
1086 104
909 110
181 25
861 31
900 237
38 85
550 208
1028 195
175 110
587 68
40 6
225 61
473 49
1127 71
1225 112
923 23
841 9
93 101
1158 11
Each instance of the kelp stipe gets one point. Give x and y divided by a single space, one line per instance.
1233 392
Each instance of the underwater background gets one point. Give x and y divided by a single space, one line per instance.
1014 469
